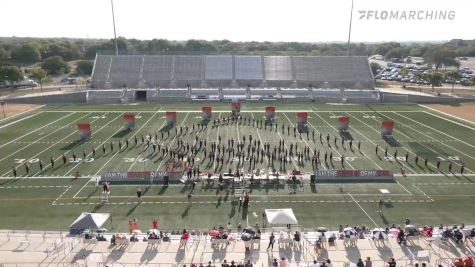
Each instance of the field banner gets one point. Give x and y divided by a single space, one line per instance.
129 121
84 130
339 176
343 123
142 177
270 114
236 108
206 113
387 128
170 117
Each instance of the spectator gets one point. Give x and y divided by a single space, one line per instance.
224 264
248 264
209 264
232 264
458 262
392 263
275 263
283 262
368 262
315 264
360 263
329 263
468 262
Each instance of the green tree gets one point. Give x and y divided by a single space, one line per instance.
472 80
403 72
375 67
26 53
3 53
441 55
453 76
10 74
435 79
39 75
55 65
84 67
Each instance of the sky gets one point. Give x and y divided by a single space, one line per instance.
238 20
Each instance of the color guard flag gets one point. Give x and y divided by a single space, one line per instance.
302 119
84 130
344 122
129 121
236 108
387 128
270 114
206 113
170 117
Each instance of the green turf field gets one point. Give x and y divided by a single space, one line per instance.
51 198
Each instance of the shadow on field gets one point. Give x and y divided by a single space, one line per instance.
167 128
73 144
122 133
346 135
392 142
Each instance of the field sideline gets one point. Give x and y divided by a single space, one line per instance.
51 199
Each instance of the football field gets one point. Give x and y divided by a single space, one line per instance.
36 195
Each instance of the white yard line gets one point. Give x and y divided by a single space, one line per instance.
425 125
331 126
422 133
375 224
410 193
82 188
410 151
434 151
14 122
403 163
217 137
173 140
226 110
94 132
21 113
37 129
262 142
423 193
43 137
136 158
291 123
449 115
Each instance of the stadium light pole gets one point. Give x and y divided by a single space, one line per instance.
349 30
113 22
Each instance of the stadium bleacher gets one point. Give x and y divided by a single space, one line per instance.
227 71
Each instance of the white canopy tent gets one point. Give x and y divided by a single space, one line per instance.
280 216
88 220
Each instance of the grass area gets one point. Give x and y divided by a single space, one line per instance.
51 199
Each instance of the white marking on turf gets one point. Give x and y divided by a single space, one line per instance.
423 193
449 115
380 148
423 124
420 132
408 149
323 165
173 140
68 149
262 142
15 140
99 145
349 164
42 139
149 119
375 224
16 121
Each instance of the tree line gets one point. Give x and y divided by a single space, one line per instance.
54 53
